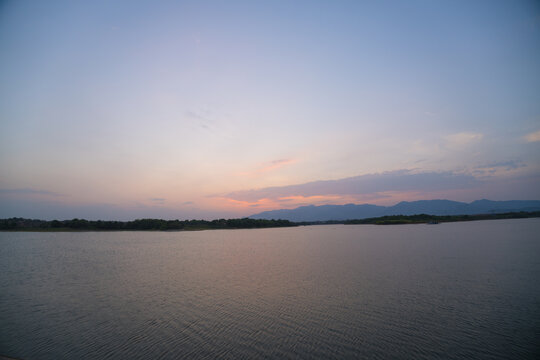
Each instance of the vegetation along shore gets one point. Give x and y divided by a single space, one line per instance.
21 224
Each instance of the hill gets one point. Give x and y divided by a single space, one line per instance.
430 207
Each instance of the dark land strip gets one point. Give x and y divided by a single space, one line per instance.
21 224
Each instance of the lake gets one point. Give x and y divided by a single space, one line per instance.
449 291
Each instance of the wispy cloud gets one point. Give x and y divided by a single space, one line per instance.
276 164
201 119
532 137
496 167
268 166
29 191
463 138
158 200
508 165
48 209
401 180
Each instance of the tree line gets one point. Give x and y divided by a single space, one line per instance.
425 218
21 224
139 224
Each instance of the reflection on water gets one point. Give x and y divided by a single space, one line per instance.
460 290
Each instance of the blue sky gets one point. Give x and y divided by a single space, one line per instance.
203 109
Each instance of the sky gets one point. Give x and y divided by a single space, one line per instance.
208 109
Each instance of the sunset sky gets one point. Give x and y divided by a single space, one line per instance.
206 109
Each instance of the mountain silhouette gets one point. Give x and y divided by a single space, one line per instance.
430 207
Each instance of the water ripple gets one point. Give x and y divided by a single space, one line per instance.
328 292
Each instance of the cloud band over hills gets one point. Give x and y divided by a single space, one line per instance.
400 180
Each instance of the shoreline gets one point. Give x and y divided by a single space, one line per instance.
80 225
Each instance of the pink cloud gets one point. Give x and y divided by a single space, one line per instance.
268 166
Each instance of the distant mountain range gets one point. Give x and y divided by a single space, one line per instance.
430 207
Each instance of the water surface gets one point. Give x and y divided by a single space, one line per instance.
456 290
